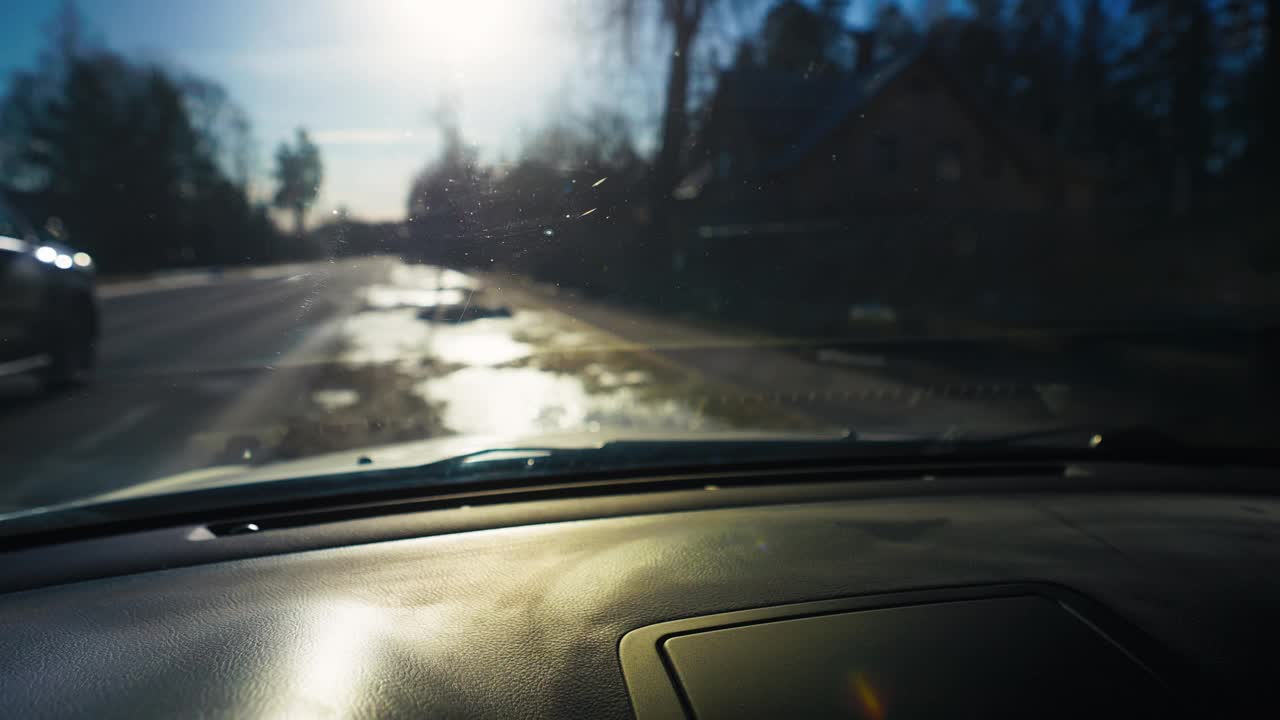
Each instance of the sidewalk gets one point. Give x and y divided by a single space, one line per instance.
842 388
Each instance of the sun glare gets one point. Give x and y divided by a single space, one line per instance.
456 31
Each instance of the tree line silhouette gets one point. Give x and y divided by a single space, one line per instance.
1164 103
142 166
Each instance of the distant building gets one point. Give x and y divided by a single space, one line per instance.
883 138
887 186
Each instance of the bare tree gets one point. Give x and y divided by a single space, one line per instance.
683 20
298 171
225 131
67 34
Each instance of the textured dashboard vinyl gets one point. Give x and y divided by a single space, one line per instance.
525 622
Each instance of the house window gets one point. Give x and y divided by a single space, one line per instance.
886 152
949 163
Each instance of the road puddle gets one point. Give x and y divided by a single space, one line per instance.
481 343
527 400
539 372
434 352
374 337
382 297
333 400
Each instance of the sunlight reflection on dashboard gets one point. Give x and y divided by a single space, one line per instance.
340 640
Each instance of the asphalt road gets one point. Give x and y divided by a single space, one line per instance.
281 363
173 364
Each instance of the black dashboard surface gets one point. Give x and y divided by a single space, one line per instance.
526 621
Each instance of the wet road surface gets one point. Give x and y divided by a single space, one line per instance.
285 363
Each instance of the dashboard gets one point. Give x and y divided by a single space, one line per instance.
1108 591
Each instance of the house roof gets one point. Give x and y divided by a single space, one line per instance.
856 91
789 116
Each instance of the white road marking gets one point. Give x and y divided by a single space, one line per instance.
178 279
119 426
840 357
107 291
21 365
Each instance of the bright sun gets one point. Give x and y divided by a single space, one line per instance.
455 31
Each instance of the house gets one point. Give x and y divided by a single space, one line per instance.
888 184
894 136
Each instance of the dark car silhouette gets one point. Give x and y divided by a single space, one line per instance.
48 310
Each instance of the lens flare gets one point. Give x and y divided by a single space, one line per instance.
866 697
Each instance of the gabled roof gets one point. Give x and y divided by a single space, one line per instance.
788 115
858 89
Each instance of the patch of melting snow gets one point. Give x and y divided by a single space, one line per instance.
570 339
335 399
431 276
610 379
385 336
479 343
383 297
491 389
420 286
480 400
539 328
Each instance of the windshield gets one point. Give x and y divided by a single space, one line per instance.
241 235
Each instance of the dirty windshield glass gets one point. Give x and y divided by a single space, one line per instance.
304 238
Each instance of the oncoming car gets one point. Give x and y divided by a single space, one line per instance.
48 311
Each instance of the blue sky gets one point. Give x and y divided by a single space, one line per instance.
363 77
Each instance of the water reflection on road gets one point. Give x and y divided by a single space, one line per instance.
516 400
478 363
485 343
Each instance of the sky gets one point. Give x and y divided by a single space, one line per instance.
365 77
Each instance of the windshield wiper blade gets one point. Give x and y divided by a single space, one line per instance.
1126 437
407 469
632 456
1139 443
